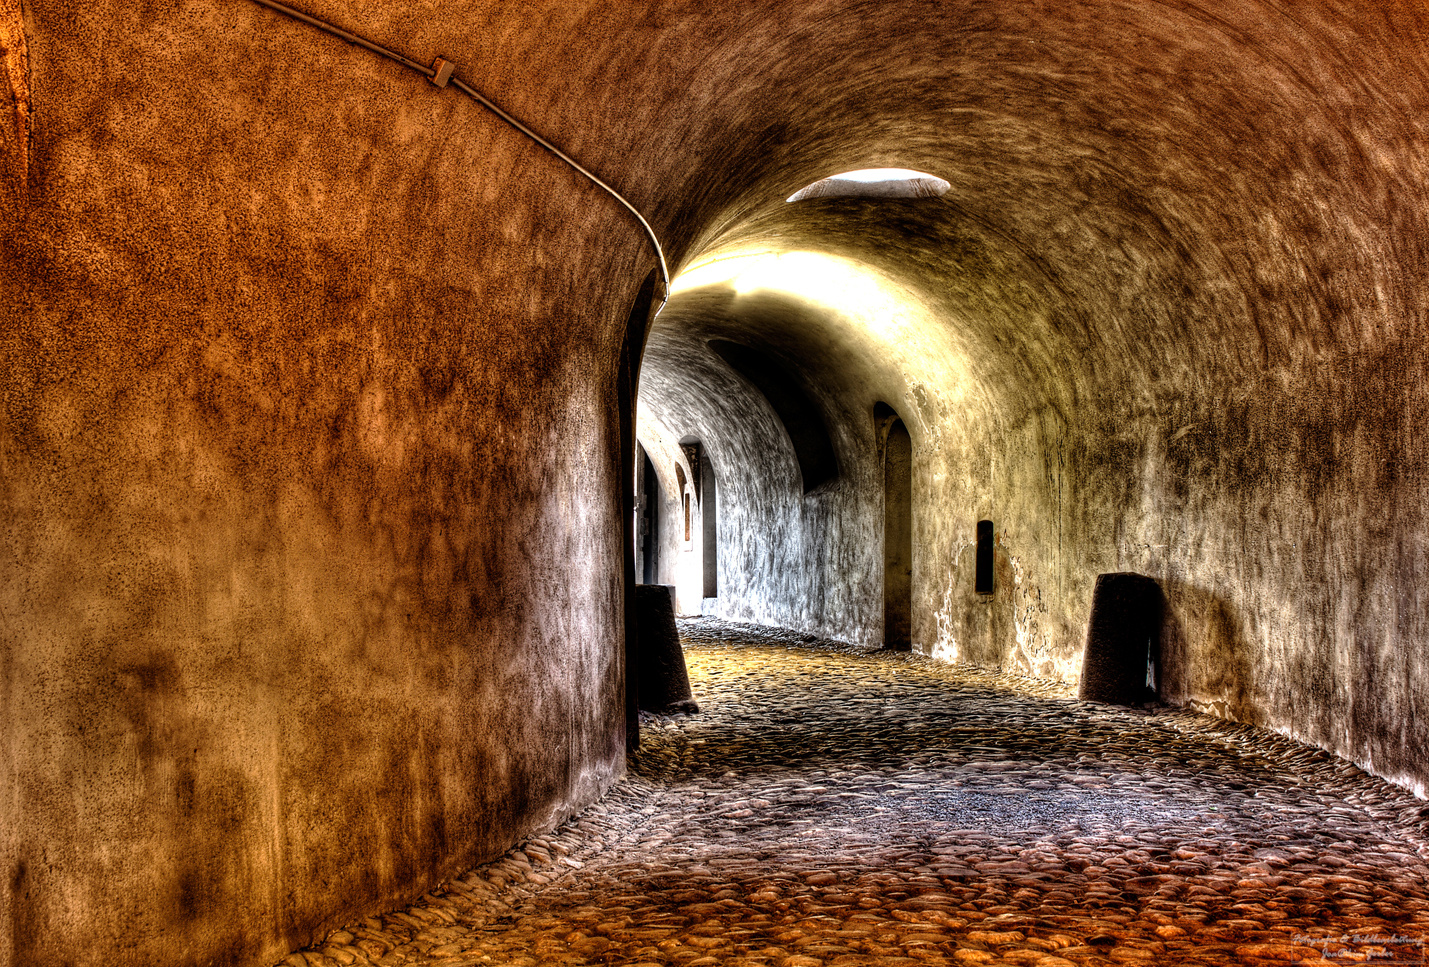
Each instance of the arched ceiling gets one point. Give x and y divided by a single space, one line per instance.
1156 193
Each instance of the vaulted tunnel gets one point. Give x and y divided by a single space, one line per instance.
316 484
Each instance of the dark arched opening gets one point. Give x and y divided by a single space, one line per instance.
709 526
648 527
898 538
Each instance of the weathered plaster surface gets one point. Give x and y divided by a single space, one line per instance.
311 558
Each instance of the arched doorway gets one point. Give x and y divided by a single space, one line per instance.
709 525
898 538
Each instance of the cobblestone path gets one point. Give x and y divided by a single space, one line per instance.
830 806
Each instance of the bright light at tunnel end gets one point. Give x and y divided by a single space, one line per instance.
845 287
877 314
874 183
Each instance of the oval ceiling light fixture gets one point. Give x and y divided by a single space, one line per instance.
875 183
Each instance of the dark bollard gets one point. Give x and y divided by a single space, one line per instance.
1123 636
661 682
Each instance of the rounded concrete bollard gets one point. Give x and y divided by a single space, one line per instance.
1123 634
658 667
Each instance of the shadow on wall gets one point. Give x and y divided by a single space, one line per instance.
799 414
1212 671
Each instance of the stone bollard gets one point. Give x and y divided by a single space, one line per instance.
658 666
1123 637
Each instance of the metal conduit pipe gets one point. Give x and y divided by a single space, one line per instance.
441 74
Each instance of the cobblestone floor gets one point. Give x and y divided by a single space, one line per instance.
831 806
